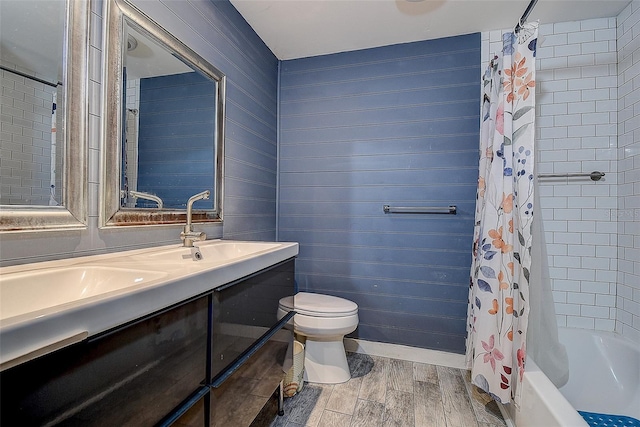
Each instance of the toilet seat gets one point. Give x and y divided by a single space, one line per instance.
318 305
322 321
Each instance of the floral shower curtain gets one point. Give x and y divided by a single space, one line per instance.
499 288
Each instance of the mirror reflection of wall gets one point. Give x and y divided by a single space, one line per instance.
163 125
170 129
32 138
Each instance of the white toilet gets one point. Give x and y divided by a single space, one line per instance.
323 320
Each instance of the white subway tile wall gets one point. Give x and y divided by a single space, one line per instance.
95 97
628 214
25 122
588 118
576 94
133 105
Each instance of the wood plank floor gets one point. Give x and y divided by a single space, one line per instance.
392 393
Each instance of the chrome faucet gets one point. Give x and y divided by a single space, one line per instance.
146 196
189 236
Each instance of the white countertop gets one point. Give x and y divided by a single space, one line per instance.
43 304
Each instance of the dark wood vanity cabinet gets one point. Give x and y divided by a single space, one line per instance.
243 312
134 375
243 375
164 368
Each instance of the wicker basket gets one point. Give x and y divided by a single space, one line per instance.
293 377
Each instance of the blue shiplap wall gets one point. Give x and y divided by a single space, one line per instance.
396 125
251 123
177 125
216 31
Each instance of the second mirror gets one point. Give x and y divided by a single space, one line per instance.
168 143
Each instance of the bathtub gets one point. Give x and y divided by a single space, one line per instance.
604 377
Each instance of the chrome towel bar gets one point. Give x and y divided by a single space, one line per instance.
420 210
595 175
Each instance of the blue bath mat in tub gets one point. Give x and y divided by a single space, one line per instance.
606 420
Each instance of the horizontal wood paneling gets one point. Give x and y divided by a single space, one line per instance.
396 125
385 286
379 270
438 239
251 69
383 194
389 255
217 32
375 116
176 109
360 99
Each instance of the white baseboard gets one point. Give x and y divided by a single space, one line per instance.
404 352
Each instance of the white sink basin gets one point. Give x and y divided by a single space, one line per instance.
47 305
31 291
214 251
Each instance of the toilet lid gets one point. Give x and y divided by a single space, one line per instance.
318 305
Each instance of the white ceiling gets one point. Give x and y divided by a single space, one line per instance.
150 59
302 28
31 34
31 39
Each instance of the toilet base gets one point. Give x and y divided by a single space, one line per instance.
325 362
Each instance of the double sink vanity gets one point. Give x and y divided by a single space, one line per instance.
178 334
145 337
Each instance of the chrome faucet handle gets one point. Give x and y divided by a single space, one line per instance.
189 237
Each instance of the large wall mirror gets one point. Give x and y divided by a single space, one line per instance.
164 125
43 71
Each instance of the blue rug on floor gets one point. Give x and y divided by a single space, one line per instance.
606 420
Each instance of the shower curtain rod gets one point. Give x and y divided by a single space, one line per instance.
525 15
27 76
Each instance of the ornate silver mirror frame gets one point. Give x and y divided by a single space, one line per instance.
73 213
111 212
